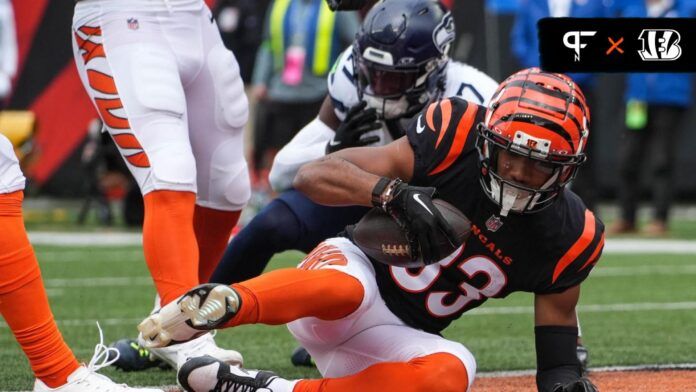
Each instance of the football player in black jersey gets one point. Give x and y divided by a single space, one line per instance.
505 167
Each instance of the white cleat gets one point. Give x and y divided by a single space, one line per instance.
202 309
86 378
177 354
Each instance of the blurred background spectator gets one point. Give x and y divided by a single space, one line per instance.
241 28
302 39
655 106
106 181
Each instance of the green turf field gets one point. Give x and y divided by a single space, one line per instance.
635 309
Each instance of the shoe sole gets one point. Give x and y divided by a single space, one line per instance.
158 329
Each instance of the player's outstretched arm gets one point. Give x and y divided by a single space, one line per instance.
325 134
347 177
556 331
307 145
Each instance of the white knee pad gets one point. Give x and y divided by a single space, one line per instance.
232 110
173 165
237 187
226 184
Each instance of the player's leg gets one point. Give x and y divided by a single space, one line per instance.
318 288
217 112
23 301
292 221
24 305
402 358
132 77
441 371
369 344
274 229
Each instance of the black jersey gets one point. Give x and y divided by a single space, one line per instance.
543 252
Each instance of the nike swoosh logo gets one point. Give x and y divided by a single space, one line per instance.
416 197
419 126
333 143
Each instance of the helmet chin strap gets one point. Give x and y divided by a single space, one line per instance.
513 199
509 197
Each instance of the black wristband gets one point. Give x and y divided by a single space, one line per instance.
378 190
557 360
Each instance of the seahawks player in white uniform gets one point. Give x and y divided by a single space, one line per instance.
398 63
457 79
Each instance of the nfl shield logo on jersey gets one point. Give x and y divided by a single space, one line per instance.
494 223
133 24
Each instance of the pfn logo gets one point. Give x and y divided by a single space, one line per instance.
660 45
572 40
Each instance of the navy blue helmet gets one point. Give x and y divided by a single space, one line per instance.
400 54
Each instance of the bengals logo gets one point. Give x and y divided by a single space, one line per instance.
660 45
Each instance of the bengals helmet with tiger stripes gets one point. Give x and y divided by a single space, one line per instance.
542 116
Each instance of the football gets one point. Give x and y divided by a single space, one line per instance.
381 238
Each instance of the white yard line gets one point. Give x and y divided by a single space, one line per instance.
67 256
84 239
613 246
99 282
499 310
603 308
531 372
630 246
640 270
600 271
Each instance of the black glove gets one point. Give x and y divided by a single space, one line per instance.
582 384
351 131
413 209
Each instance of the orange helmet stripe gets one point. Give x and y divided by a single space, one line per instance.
578 100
